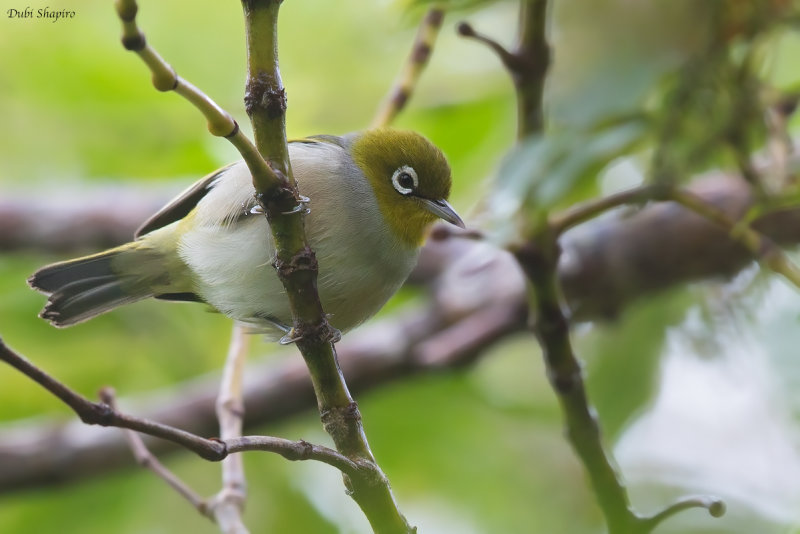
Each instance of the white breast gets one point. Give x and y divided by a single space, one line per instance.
360 264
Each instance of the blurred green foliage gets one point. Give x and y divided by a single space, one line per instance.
478 450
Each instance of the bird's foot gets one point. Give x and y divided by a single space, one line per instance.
328 334
290 337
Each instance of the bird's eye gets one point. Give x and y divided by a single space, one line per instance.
405 180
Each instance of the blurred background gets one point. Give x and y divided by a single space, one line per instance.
697 387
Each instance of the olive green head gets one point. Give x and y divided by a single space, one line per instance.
410 178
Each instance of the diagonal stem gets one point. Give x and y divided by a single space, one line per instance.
164 77
412 69
147 460
551 326
296 264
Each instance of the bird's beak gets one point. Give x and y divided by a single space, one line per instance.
443 210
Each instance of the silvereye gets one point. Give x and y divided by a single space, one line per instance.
372 195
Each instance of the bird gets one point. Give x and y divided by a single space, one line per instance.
371 197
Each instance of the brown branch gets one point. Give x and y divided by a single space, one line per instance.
77 219
213 449
102 414
398 97
610 262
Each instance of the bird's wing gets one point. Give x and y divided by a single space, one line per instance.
341 142
180 206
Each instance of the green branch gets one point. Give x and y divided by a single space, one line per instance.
539 256
296 264
539 259
164 77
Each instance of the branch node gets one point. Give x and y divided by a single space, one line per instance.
303 260
283 198
340 417
564 383
510 60
261 93
306 450
107 394
234 131
134 43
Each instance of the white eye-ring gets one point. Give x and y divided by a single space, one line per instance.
405 180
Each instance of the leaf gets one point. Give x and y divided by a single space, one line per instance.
542 171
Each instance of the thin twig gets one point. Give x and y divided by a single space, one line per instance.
715 507
581 213
300 450
412 69
757 243
507 58
102 414
527 64
539 260
211 449
533 52
147 460
227 506
220 122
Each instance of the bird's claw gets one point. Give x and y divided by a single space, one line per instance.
290 337
331 335
301 206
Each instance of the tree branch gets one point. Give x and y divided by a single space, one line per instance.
227 506
147 460
220 123
539 259
759 245
421 50
296 264
210 449
527 64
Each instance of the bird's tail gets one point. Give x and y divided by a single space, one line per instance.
82 288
